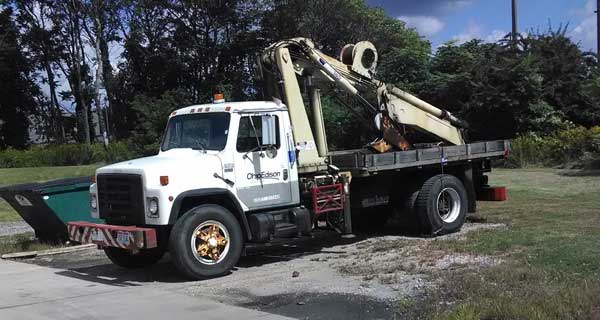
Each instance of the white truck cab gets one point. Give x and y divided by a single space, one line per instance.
243 148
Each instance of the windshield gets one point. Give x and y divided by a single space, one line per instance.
203 131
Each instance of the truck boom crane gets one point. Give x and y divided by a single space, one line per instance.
353 73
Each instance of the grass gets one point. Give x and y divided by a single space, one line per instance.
40 174
22 243
551 252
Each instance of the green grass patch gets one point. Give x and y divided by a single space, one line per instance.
553 218
40 174
550 248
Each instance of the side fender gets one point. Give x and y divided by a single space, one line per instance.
211 194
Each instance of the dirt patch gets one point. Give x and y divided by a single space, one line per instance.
398 261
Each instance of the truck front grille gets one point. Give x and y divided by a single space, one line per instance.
121 198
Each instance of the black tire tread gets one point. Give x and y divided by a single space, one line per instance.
192 268
423 198
143 258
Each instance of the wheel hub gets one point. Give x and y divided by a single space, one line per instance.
210 242
448 205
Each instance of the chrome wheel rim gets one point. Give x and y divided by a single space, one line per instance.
448 205
210 242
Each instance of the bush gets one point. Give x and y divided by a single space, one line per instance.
72 154
577 146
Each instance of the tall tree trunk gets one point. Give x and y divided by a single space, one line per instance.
78 85
58 131
107 79
98 6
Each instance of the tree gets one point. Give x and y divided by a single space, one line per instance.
39 36
564 69
101 25
68 15
17 89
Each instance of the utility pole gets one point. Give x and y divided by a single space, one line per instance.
514 23
598 29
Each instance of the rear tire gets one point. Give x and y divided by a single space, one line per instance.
441 204
206 241
127 259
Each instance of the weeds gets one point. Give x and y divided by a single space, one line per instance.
22 243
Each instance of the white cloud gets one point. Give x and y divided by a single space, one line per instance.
585 32
473 31
425 25
496 35
476 31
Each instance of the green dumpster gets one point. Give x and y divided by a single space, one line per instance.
48 207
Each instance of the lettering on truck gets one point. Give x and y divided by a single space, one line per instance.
264 175
267 198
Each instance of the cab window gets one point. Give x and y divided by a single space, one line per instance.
250 134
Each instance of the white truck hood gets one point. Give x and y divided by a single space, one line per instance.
185 165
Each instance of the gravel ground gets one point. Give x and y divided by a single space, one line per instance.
13 228
326 277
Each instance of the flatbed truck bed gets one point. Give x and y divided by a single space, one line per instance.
362 162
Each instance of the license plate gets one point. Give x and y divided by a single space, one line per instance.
97 235
123 238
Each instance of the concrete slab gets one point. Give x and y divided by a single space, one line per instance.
35 292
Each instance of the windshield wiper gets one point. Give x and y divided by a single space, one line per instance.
199 146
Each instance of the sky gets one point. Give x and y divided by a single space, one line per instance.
462 20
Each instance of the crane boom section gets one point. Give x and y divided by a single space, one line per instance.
352 74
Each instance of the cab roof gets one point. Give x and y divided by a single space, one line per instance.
232 107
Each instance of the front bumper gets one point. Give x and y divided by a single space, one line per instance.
104 235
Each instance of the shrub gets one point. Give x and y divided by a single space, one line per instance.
575 146
73 154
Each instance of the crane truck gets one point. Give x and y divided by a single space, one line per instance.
230 175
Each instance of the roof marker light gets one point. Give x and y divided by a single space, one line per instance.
218 98
207 109
174 113
192 111
227 109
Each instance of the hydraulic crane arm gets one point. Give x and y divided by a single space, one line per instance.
395 110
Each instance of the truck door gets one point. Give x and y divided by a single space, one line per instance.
262 168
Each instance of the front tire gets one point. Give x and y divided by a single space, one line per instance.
128 259
206 242
441 204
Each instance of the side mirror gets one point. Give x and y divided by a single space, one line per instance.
269 130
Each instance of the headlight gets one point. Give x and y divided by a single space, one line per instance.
153 206
93 202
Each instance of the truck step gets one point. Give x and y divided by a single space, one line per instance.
286 230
